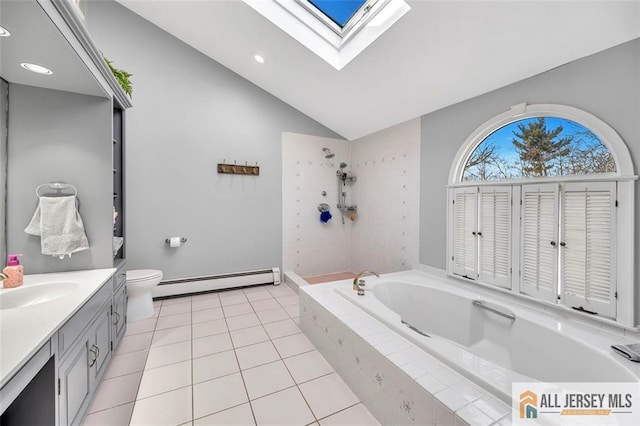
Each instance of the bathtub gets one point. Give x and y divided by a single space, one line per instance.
491 343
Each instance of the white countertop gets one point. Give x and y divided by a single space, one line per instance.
24 330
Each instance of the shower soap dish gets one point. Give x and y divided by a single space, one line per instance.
323 207
631 352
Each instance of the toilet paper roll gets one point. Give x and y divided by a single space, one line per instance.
174 242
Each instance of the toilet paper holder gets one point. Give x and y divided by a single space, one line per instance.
182 240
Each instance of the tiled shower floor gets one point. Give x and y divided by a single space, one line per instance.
233 357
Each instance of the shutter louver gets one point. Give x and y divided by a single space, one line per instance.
465 242
495 239
587 260
539 255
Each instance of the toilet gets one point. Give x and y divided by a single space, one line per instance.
140 282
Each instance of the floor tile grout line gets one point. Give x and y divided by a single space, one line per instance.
141 377
235 354
193 386
148 349
297 385
162 393
233 345
341 410
272 393
109 408
220 411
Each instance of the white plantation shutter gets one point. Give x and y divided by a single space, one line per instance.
465 242
495 236
587 246
539 241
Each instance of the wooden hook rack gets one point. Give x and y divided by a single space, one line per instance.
238 170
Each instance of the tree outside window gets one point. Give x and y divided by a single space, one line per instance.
538 147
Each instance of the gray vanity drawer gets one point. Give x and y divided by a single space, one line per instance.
119 278
70 331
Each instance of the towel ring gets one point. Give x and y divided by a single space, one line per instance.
58 186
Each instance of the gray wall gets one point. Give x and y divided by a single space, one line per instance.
189 114
57 136
606 84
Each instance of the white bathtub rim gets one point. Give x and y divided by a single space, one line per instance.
580 327
533 303
600 339
391 320
597 338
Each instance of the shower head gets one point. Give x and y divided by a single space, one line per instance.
328 152
343 165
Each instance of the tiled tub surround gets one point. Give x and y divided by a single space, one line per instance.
387 366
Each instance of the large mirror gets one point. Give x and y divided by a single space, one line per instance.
28 35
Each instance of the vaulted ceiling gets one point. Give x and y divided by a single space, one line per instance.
438 54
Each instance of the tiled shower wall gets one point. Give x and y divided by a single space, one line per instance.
384 235
310 247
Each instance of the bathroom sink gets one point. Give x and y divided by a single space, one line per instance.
36 294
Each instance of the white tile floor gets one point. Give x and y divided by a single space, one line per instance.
235 357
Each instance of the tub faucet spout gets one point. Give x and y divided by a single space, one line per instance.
357 277
3 276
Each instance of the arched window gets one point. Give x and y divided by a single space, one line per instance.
541 204
538 147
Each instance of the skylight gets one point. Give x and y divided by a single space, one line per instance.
339 11
335 30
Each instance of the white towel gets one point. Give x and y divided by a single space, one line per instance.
59 225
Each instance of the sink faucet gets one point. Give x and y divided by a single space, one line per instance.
357 277
3 276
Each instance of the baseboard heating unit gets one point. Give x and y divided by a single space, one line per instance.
193 285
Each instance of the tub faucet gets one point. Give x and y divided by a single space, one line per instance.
3 276
357 277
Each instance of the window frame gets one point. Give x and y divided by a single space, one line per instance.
624 177
360 18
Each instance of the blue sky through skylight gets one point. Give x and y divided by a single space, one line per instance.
339 11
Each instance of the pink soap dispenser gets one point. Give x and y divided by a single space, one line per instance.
14 271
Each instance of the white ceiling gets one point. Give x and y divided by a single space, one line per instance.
439 53
34 38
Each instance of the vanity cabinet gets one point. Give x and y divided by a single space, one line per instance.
101 343
119 305
82 367
85 352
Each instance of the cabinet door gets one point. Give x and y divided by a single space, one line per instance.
75 382
101 342
119 312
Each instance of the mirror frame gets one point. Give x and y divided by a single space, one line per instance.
4 166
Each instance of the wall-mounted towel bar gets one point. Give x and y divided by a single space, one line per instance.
56 186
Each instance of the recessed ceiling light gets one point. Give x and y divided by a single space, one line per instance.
36 68
259 59
4 32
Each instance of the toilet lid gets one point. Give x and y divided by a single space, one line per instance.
143 274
